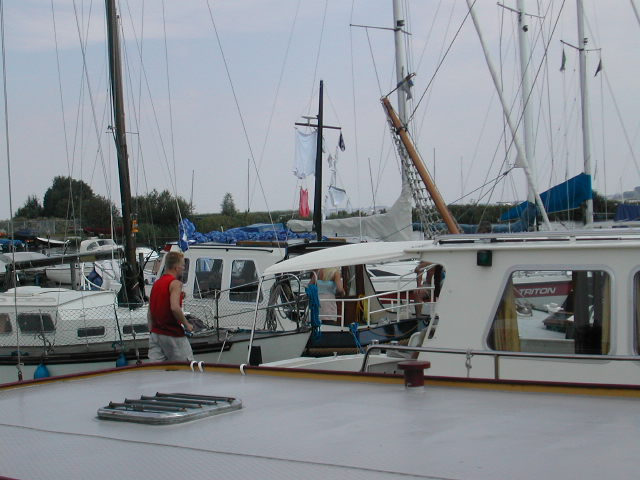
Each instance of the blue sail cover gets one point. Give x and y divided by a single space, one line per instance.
255 232
565 196
627 212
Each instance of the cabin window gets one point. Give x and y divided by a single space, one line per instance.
208 279
138 328
5 323
91 332
565 312
244 281
35 323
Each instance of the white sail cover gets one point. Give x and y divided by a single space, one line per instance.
395 225
305 158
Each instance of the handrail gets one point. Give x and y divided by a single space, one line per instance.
398 306
496 355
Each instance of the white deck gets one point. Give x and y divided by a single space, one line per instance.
305 428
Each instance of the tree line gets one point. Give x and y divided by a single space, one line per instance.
158 213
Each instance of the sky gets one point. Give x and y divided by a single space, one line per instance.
213 89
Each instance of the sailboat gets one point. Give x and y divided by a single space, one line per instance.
54 331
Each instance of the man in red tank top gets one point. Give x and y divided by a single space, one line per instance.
167 341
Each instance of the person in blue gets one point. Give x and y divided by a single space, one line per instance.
329 282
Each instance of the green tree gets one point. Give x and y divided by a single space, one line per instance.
228 207
161 208
97 211
64 198
30 209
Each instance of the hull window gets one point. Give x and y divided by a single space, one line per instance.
5 323
35 323
567 312
91 332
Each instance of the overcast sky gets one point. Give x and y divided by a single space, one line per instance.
188 107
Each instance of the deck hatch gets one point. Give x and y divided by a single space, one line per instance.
168 408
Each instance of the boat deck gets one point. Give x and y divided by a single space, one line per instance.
308 427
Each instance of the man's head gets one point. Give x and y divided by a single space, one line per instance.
174 263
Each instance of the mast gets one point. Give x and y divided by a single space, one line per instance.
317 192
131 293
523 160
584 103
525 72
401 67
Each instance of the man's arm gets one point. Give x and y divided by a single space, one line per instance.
175 289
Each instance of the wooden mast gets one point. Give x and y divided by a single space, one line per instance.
438 201
132 293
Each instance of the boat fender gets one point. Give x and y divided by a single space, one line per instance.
41 371
122 360
242 368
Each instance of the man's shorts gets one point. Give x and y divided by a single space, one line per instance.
164 348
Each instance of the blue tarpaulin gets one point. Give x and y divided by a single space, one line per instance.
627 212
256 232
566 196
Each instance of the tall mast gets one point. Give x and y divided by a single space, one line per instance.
522 160
584 103
131 292
401 64
525 72
317 193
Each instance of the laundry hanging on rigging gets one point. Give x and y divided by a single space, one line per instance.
305 154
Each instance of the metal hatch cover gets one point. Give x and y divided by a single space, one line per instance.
168 408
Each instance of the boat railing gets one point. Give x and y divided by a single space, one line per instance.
497 356
278 305
401 303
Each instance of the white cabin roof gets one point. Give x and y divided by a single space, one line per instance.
315 429
355 254
55 297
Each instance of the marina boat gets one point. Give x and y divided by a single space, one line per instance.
61 331
223 288
478 329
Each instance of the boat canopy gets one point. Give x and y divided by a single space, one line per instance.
565 196
354 254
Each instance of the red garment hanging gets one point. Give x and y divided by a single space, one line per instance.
304 203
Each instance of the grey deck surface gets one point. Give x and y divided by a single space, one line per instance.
306 429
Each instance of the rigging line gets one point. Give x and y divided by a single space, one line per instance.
373 61
165 157
315 70
277 95
619 114
235 97
355 115
440 55
64 125
86 73
10 191
494 181
548 97
430 31
604 146
173 148
140 163
441 62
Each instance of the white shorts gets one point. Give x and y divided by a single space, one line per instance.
164 348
